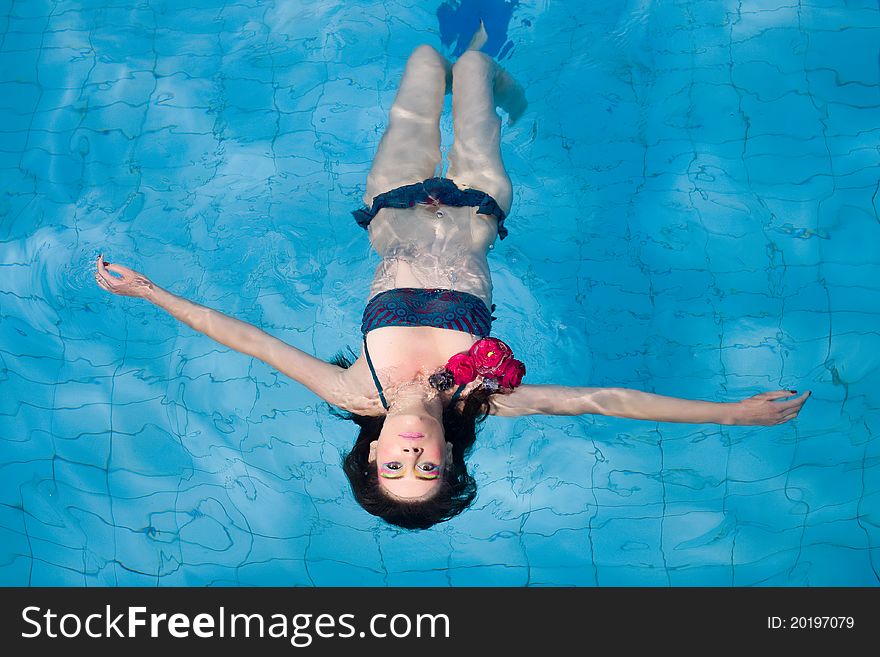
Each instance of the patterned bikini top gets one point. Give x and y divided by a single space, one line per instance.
436 307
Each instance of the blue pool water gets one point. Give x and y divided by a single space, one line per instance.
695 214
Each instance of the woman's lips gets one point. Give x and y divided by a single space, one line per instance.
411 434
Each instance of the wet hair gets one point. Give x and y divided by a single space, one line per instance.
456 490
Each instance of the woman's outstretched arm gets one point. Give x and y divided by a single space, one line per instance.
324 379
761 409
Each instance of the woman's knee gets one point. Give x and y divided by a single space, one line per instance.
425 54
475 61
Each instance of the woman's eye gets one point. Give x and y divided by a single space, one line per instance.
394 465
427 467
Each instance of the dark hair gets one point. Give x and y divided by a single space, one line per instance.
457 489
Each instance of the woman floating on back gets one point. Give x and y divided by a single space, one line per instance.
429 371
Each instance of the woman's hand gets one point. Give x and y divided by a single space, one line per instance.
129 283
763 410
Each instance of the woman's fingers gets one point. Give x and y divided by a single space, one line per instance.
764 409
103 282
103 276
102 272
796 403
120 279
790 410
773 394
122 270
115 269
100 267
779 394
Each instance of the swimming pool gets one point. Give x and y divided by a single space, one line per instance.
695 214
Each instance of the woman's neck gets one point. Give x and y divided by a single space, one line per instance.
414 397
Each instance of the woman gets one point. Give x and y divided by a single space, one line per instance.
430 373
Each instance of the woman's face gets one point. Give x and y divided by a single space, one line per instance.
410 455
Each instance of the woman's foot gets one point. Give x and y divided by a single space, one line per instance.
510 96
479 39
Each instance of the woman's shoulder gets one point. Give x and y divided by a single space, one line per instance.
358 395
361 405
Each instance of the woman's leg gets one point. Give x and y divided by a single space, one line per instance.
475 156
409 151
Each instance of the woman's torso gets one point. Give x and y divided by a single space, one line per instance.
421 250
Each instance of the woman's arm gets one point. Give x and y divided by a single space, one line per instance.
761 409
324 379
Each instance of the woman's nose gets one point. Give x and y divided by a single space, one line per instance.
414 450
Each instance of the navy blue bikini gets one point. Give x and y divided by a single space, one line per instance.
441 308
441 190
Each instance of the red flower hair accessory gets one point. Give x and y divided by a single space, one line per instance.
489 354
462 367
490 358
511 373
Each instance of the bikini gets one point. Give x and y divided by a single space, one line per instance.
437 307
433 190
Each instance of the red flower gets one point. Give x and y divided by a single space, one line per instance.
489 354
510 374
462 368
